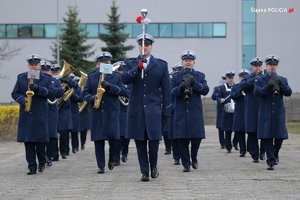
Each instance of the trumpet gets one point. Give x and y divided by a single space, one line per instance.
124 100
29 94
65 72
100 92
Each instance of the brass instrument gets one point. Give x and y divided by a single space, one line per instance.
124 100
65 72
29 94
100 91
81 83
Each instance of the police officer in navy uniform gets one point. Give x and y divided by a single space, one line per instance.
65 123
123 143
55 69
75 99
270 88
188 86
105 119
174 143
33 124
238 126
149 103
224 97
52 114
251 110
219 111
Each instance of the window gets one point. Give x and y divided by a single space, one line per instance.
191 30
207 30
136 30
249 34
178 30
200 30
249 52
152 29
249 16
165 30
25 31
12 31
50 30
2 31
92 30
128 29
38 30
219 30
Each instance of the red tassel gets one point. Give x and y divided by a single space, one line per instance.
141 65
139 19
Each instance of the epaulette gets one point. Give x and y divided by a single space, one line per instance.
19 75
201 74
161 60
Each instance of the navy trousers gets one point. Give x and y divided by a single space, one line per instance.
64 143
33 150
253 145
221 138
144 160
242 141
185 155
100 152
228 142
167 142
272 147
74 140
176 155
122 147
83 137
51 148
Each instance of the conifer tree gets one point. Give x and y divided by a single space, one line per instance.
73 47
115 38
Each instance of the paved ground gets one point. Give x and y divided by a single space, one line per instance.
219 176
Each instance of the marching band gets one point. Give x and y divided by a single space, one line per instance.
139 99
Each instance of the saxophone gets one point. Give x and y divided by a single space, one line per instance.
29 94
100 91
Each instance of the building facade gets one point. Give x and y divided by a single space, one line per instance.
225 34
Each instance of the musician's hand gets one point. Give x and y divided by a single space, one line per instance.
222 100
189 79
33 87
71 82
142 64
106 85
182 86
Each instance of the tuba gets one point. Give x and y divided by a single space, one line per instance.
29 94
100 92
65 72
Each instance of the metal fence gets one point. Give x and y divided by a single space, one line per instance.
292 109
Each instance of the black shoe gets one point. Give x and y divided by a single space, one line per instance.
76 149
101 171
31 172
145 177
255 161
154 172
73 150
228 150
167 152
49 163
176 162
117 163
262 156
277 161
223 147
82 147
186 169
195 165
41 168
67 154
270 167
236 147
242 155
111 165
124 158
63 156
55 159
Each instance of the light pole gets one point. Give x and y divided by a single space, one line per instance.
57 33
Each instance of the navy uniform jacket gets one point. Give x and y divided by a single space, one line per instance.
227 118
123 112
75 98
150 98
33 125
188 115
65 117
238 96
271 117
53 110
84 117
219 106
251 104
105 119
